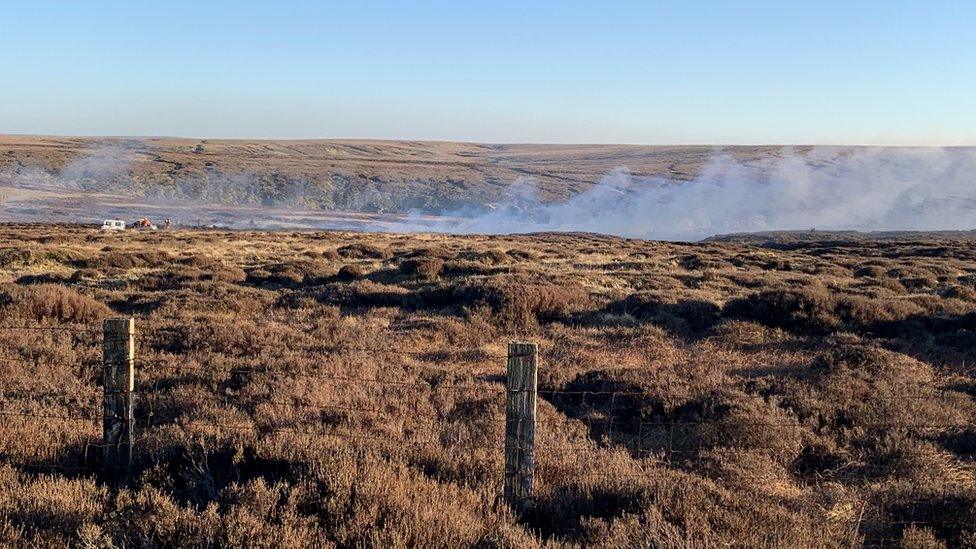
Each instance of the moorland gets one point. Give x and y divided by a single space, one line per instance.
329 388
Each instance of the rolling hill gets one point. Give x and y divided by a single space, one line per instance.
347 175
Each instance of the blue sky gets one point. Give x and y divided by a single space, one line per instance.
894 72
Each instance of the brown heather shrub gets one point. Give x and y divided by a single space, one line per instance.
737 333
967 279
200 261
82 275
920 538
364 294
488 257
663 422
817 310
682 316
170 278
213 296
351 272
124 260
919 282
778 264
517 305
178 276
27 257
290 273
45 278
724 419
427 269
48 302
48 507
963 293
871 271
467 268
16 257
330 255
435 252
226 273
910 272
892 284
363 251
204 295
853 388
807 309
834 271
522 255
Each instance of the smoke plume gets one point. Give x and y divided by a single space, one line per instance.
826 188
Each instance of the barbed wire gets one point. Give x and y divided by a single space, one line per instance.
622 423
614 393
66 329
611 427
59 469
323 431
42 362
164 364
318 429
431 385
66 417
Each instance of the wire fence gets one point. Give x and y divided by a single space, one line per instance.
582 436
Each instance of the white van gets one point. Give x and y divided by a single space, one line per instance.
113 225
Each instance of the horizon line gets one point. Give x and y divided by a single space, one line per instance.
475 142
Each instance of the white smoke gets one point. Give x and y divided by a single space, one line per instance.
825 188
98 167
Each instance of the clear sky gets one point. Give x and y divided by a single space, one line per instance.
863 72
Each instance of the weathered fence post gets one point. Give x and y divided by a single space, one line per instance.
118 381
520 423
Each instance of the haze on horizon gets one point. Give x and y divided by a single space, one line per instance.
556 72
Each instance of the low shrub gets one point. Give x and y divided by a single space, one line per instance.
82 275
432 253
45 278
518 304
919 283
351 272
460 267
871 271
113 259
51 303
364 293
290 273
683 316
16 257
964 293
364 251
428 268
816 310
489 257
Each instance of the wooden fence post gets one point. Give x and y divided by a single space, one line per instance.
520 424
118 382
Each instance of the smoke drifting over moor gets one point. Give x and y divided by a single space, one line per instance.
727 191
825 188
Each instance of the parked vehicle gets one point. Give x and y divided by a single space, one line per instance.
113 225
144 223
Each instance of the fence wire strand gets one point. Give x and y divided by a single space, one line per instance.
601 422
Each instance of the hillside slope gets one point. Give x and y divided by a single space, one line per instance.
360 176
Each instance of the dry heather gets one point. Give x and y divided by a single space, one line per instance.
692 395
